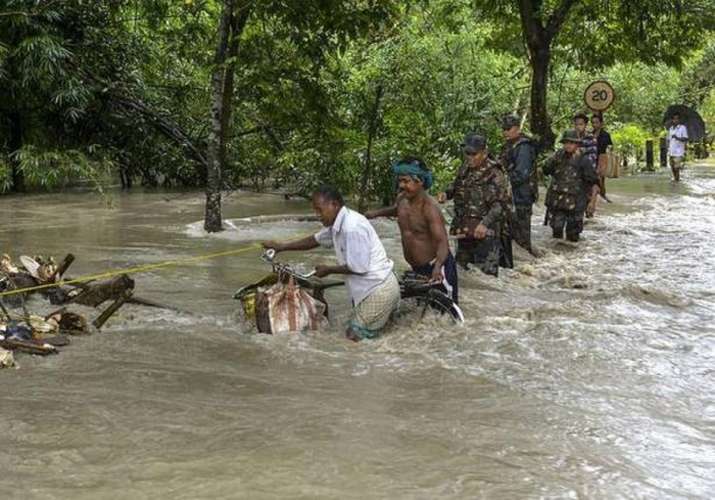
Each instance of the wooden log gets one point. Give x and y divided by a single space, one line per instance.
5 312
69 322
41 349
97 293
22 280
62 268
108 312
53 313
663 152
56 340
141 301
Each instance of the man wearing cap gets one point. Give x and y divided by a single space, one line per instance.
519 160
572 177
482 204
677 139
424 238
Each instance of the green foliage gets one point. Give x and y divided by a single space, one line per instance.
5 174
643 93
629 140
52 169
438 82
698 79
707 110
601 33
308 76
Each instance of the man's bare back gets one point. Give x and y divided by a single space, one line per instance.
417 219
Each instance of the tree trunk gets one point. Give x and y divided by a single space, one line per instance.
216 143
16 133
233 19
540 122
372 131
238 22
539 34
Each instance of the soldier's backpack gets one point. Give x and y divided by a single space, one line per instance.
534 177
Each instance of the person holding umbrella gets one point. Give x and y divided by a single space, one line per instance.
677 139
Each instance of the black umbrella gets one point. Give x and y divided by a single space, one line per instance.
688 117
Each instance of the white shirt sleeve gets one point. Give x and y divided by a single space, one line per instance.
324 237
683 132
358 246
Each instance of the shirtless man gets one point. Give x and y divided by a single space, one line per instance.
424 236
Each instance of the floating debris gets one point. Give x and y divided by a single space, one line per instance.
21 331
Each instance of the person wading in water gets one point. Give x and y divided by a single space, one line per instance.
425 243
482 206
572 177
372 285
518 157
677 139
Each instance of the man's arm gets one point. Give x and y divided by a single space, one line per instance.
357 255
322 271
549 165
496 211
307 243
523 163
438 232
382 212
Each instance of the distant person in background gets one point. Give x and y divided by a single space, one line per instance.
677 139
603 143
589 150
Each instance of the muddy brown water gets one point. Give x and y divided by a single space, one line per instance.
585 374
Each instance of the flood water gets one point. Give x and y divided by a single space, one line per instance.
589 373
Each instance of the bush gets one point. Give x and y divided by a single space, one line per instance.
629 140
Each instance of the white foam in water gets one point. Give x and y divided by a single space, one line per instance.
244 230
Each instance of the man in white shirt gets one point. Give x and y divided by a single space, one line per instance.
372 285
677 138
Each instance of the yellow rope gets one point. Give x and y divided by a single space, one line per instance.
132 270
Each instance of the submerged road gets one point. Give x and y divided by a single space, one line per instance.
588 373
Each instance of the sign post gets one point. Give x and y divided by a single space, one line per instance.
599 96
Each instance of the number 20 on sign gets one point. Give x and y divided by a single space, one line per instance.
599 95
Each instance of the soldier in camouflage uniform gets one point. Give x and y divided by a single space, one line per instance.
572 177
519 160
482 205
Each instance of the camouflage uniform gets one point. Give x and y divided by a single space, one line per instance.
572 177
519 161
481 195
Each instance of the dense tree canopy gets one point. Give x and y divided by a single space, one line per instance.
331 90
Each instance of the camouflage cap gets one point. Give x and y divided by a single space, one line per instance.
510 121
570 135
474 143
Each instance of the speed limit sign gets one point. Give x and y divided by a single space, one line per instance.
599 95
